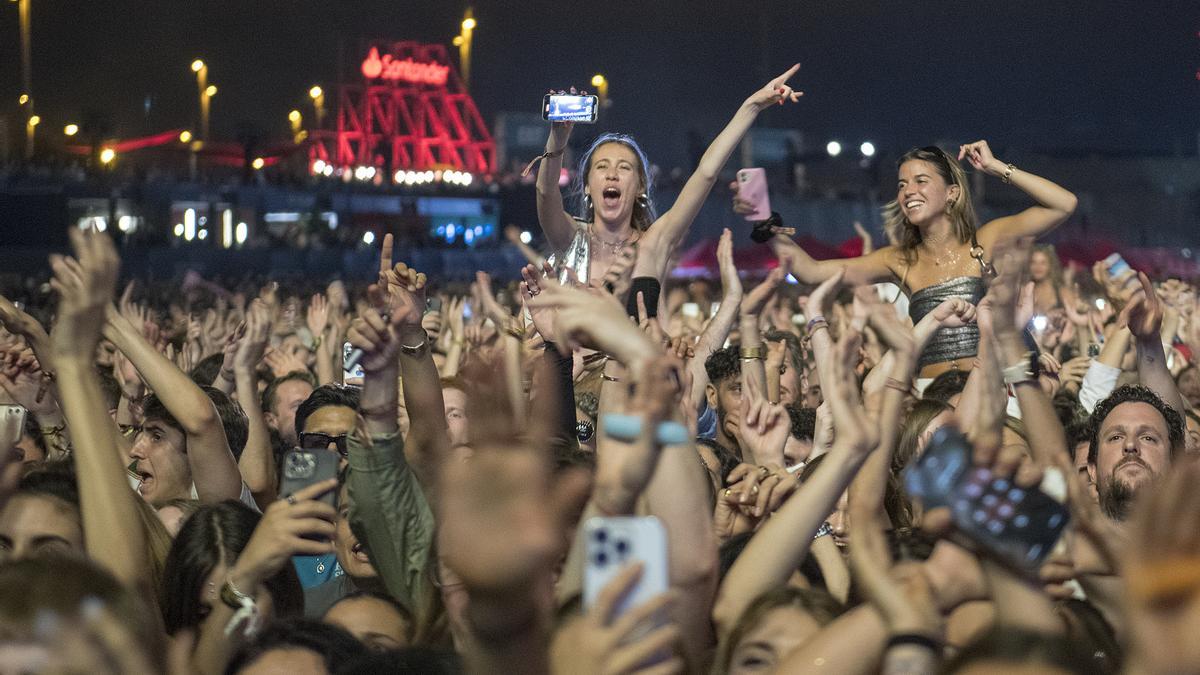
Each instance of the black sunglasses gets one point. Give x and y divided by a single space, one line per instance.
313 440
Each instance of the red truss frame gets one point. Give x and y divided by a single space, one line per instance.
422 126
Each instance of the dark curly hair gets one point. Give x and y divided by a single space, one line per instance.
804 422
722 365
1134 393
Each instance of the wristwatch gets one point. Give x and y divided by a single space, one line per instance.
1025 370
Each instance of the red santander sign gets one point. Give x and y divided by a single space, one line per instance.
389 68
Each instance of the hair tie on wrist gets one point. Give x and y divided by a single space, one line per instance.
545 155
629 428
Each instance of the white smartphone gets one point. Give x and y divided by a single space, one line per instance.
12 425
613 543
691 310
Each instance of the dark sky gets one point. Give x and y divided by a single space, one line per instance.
1066 74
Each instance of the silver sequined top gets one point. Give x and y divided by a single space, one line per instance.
948 344
577 256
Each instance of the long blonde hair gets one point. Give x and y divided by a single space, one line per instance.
961 211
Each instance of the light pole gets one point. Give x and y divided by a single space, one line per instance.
601 84
463 42
201 71
297 122
26 98
30 126
206 106
318 98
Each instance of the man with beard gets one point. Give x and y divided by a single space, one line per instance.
1134 437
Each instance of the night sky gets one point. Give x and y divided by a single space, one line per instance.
1107 75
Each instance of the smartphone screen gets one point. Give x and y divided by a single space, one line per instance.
569 108
1017 526
351 368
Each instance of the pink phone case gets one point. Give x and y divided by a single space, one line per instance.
752 187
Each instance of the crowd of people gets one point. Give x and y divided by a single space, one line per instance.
409 476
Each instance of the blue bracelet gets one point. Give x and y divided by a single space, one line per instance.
629 428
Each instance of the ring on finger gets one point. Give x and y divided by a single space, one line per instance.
291 500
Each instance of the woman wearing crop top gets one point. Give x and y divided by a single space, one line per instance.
939 251
616 209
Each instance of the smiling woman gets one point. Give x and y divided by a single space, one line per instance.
939 252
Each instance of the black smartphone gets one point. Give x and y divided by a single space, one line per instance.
302 468
1017 526
433 305
570 108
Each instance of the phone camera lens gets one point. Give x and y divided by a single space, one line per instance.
600 535
622 547
601 559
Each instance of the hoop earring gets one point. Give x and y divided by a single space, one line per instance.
587 201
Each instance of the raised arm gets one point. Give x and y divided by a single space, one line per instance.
717 330
1143 315
257 463
872 268
557 224
670 229
1055 203
214 469
110 516
780 545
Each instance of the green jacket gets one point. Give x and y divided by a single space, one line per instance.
390 515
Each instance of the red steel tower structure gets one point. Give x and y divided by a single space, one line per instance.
410 111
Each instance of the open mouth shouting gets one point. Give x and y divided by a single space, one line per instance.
611 197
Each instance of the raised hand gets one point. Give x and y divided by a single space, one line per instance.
601 642
531 287
317 317
281 363
299 524
18 322
251 346
763 430
868 244
952 313
755 300
503 512
491 308
979 155
1143 314
820 301
593 320
776 91
731 282
86 286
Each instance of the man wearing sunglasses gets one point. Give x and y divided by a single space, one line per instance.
323 421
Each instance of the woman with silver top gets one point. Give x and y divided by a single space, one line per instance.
939 253
616 210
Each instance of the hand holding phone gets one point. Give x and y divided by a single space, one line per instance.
611 545
570 108
752 188
12 425
1016 524
302 468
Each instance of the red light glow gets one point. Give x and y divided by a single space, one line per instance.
406 70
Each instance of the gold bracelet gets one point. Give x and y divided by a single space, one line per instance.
751 353
1007 177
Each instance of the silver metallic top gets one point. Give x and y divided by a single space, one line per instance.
577 256
948 344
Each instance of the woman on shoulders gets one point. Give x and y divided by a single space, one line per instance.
940 252
616 207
